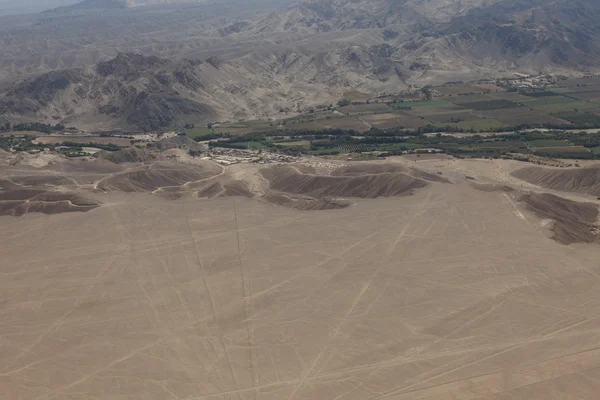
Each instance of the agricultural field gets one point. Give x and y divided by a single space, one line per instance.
595 150
454 117
579 152
512 96
593 96
423 103
117 141
365 108
461 107
482 124
553 144
382 121
432 111
547 143
460 89
234 129
490 105
487 86
538 93
411 121
578 117
344 123
559 104
523 115
579 82
294 143
353 95
471 98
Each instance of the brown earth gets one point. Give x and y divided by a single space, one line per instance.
573 222
369 185
128 155
18 201
304 203
491 188
158 175
200 292
48 180
581 180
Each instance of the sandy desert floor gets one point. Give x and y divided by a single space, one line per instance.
450 293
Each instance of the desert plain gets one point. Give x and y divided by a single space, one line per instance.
410 278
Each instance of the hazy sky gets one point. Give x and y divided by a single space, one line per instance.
8 7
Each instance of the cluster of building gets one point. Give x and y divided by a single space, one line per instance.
522 81
226 156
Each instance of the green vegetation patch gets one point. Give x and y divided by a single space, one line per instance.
578 152
473 98
579 118
484 124
595 150
548 143
559 104
555 144
561 90
424 103
540 93
490 105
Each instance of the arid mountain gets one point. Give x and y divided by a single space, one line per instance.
328 15
529 33
93 5
251 62
137 92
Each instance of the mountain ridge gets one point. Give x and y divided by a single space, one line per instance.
133 91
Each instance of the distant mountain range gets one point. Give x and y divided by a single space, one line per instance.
136 92
230 60
506 33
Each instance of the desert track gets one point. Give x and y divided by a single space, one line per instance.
448 289
447 293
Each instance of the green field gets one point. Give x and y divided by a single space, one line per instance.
561 90
472 98
547 143
399 146
293 143
423 103
490 105
566 152
578 117
449 112
539 93
477 125
558 104
595 150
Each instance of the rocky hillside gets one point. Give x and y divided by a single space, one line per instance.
457 34
139 92
225 62
534 33
328 15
